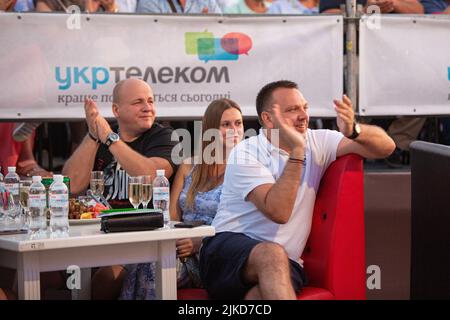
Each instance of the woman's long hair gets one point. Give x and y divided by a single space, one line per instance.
205 176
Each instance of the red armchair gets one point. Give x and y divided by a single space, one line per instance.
334 257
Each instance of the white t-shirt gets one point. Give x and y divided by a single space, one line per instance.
256 161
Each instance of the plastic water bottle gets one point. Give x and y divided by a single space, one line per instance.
37 203
161 194
59 207
12 183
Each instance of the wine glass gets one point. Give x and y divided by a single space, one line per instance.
135 191
147 190
97 183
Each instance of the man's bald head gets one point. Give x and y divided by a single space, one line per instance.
133 106
122 85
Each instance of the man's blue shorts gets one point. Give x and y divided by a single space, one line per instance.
222 259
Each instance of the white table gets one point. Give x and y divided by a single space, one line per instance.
88 247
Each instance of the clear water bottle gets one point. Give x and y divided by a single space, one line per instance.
12 184
59 208
161 194
37 203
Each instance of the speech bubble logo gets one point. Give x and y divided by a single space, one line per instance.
218 53
206 46
236 43
230 45
191 40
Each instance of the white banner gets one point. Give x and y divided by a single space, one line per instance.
50 62
404 65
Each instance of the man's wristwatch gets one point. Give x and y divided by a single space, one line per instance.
111 138
356 131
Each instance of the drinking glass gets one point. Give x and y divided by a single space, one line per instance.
135 191
8 207
24 191
97 183
147 190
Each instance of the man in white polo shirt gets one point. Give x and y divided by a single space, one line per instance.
270 185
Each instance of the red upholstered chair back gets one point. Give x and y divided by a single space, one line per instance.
334 257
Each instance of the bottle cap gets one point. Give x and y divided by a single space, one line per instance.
11 169
37 178
160 173
57 178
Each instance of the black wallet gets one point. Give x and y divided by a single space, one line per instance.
130 221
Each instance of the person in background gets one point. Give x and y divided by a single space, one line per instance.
294 7
107 6
248 7
447 11
59 5
386 6
126 5
436 6
18 154
7 5
178 6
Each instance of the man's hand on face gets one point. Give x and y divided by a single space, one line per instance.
287 133
345 115
91 111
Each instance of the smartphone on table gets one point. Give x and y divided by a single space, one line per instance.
189 224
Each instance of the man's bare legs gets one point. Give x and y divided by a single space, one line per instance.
268 267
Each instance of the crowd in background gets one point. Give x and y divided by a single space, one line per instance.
224 6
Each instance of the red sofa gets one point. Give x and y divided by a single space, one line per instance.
334 257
